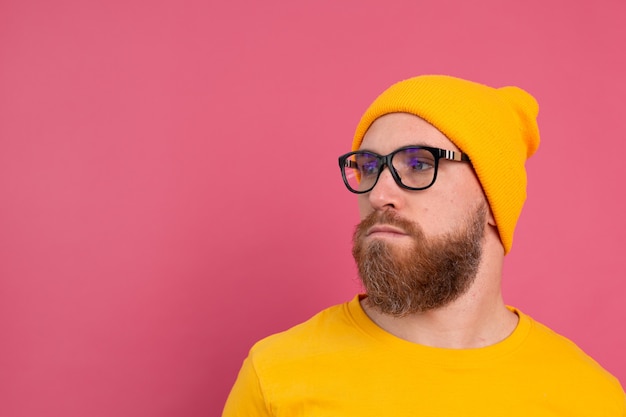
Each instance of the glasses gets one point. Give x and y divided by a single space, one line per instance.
412 167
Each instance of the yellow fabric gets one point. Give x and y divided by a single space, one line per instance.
497 128
339 363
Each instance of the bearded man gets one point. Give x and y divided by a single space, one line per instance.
438 165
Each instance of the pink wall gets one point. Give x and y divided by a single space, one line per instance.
154 220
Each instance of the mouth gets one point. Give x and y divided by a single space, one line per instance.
385 230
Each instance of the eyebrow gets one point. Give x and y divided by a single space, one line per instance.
416 145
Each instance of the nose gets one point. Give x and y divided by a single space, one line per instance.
386 193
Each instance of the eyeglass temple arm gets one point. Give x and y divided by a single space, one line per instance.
454 156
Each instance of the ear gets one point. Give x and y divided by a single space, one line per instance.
491 221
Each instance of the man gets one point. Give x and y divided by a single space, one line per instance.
438 168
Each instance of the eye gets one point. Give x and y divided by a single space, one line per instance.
369 168
367 165
417 164
413 161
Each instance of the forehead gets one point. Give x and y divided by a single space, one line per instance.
394 130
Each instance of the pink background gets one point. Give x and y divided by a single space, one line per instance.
154 222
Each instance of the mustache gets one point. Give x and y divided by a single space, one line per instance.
386 217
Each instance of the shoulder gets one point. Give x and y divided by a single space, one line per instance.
560 357
322 342
310 337
558 348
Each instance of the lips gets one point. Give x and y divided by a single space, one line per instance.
385 229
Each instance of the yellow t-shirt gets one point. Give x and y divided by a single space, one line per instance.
340 363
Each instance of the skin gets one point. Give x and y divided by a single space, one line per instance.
479 317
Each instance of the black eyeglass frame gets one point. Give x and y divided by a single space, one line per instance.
385 160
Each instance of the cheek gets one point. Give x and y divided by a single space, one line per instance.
431 219
365 208
439 216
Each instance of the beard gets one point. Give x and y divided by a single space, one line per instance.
428 274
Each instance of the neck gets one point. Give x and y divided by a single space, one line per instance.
478 318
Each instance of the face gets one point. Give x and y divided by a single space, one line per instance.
438 209
418 250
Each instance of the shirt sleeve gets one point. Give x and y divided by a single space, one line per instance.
246 397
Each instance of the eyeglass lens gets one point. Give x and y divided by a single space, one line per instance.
415 168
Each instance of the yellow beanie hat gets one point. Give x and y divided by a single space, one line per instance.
496 128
